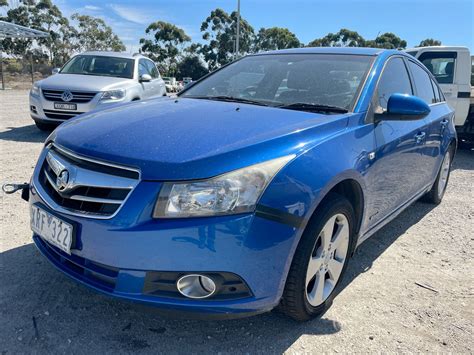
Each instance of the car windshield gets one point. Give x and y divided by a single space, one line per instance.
296 81
99 66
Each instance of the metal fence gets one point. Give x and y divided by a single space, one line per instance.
20 73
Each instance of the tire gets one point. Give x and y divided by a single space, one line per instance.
45 127
435 195
301 299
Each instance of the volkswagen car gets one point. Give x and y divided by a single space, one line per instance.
248 191
93 81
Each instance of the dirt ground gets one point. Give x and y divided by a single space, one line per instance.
382 307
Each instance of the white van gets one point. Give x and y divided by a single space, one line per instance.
453 67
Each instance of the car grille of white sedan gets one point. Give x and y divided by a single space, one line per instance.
83 186
78 97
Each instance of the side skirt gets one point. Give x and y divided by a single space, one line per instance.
362 238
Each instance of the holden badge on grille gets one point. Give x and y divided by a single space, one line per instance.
62 180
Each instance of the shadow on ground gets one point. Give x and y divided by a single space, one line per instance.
24 134
464 160
49 312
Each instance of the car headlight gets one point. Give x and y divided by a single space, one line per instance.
235 192
35 90
113 95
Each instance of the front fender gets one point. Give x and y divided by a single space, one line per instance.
299 188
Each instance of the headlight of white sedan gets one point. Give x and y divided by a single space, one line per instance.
113 95
35 90
230 193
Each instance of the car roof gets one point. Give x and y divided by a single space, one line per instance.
438 48
113 54
329 50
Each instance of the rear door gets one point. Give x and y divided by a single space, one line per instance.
436 121
395 175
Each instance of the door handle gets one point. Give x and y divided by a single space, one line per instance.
420 137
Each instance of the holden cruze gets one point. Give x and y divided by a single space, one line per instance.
251 189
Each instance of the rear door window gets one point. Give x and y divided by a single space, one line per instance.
424 89
394 80
436 91
440 64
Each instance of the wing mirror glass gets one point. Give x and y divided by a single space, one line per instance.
405 107
145 78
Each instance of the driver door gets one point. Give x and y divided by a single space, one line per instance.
395 175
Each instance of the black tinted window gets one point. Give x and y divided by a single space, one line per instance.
440 64
424 90
394 80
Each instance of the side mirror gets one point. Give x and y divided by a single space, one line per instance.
145 78
55 71
403 106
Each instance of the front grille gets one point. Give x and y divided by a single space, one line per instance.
92 189
98 275
163 284
79 97
60 115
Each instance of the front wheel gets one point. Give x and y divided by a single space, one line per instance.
320 260
435 195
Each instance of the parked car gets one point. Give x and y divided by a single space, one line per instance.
239 196
90 81
171 84
453 68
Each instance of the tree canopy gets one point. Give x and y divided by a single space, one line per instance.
165 44
275 38
94 34
219 30
429 42
343 38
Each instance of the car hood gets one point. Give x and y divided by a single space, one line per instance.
180 139
82 82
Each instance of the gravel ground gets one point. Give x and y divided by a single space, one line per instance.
381 308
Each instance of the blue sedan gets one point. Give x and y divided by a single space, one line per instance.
251 189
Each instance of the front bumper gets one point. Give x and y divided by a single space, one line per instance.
43 111
113 256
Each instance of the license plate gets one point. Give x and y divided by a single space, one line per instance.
52 229
61 106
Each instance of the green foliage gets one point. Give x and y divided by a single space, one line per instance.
388 41
191 66
348 38
429 42
343 38
165 45
275 38
94 34
3 3
219 30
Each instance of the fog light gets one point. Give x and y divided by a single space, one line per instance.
196 286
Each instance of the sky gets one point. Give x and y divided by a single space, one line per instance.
450 21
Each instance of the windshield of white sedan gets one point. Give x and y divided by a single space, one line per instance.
307 82
99 66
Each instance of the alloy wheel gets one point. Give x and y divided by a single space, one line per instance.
327 259
444 174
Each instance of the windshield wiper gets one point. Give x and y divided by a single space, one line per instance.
302 106
228 99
